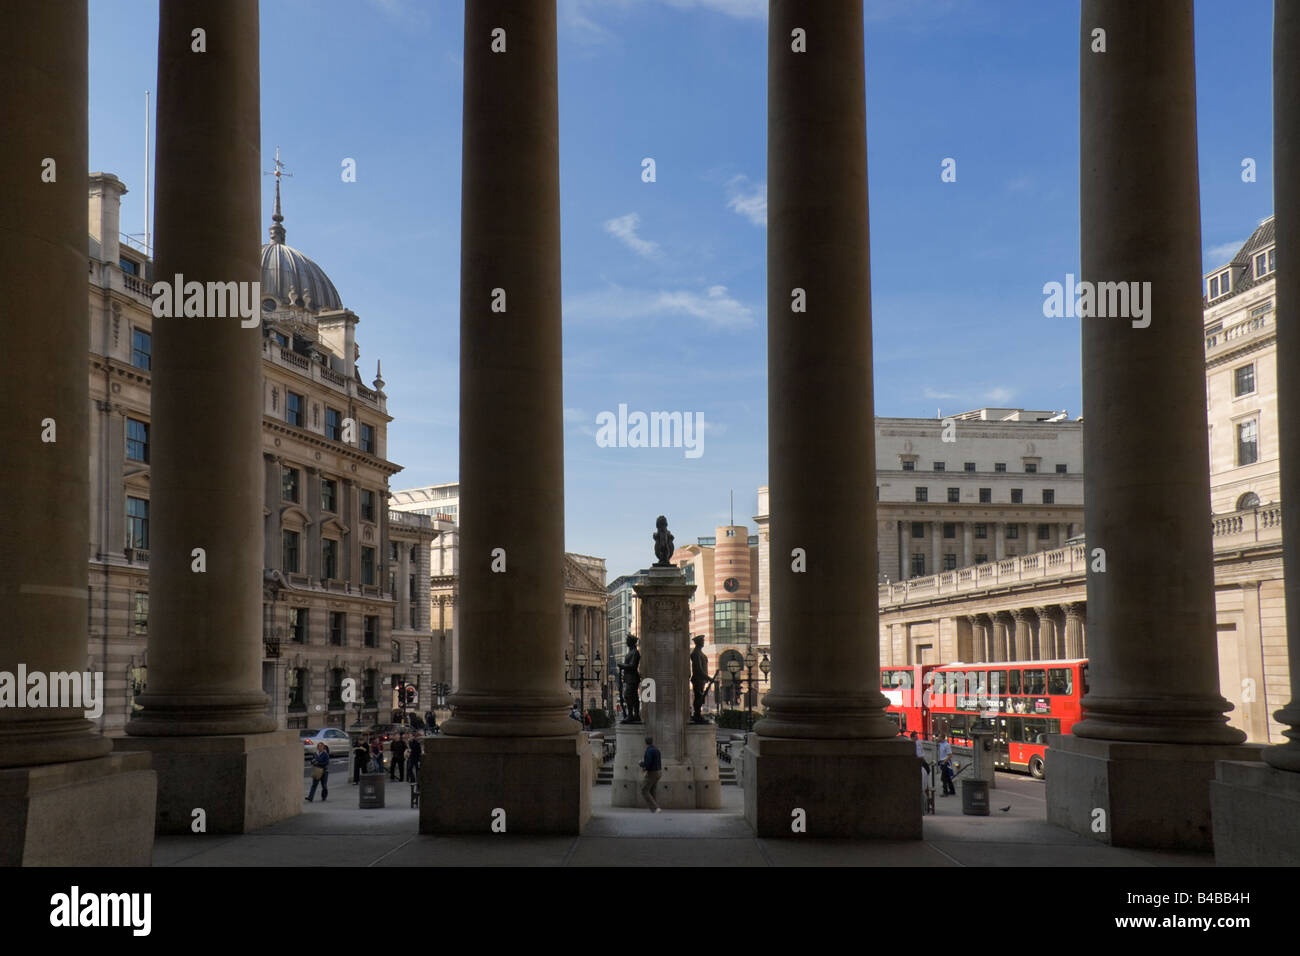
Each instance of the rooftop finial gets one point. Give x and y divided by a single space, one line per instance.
379 375
277 220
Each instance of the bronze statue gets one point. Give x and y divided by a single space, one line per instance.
630 671
700 679
663 539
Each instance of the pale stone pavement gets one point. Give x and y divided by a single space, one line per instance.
336 833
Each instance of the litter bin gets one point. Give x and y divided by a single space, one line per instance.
974 798
372 792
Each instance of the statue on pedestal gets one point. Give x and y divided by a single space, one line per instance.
700 679
630 683
663 539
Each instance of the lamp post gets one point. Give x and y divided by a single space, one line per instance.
733 668
597 666
750 661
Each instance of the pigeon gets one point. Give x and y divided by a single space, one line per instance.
1005 809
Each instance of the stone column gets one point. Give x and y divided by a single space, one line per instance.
1031 532
999 540
1153 675
511 696
1046 633
1255 819
825 712
967 544
999 619
403 584
65 798
904 552
936 546
312 537
273 546
204 712
1023 651
979 638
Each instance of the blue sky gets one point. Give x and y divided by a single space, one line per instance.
664 289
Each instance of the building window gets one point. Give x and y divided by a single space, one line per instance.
338 628
986 496
1062 470
954 494
368 438
297 688
1013 531
981 531
1243 380
970 466
329 495
291 564
329 552
949 529
981 559
140 613
371 691
336 687
413 623
367 504
281 339
922 494
918 529
1221 284
298 625
1031 468
371 631
141 349
950 562
392 551
137 440
940 465
918 565
368 566
1265 262
289 484
1049 496
333 423
137 523
132 268
999 466
1017 496
397 652
909 466
293 403
1044 532
1247 443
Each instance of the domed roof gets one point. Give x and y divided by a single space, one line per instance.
289 276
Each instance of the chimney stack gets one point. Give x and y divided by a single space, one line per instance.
106 192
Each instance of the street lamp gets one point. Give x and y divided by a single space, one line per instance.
750 661
733 667
597 666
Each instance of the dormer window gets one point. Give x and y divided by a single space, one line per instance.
281 339
129 266
1265 262
1220 284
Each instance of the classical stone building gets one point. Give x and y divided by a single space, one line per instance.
345 584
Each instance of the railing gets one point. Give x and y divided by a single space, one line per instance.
138 285
368 394
1241 330
293 358
1247 526
1060 563
332 376
137 555
409 519
319 372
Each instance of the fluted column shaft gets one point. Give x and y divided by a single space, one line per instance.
205 647
512 478
1153 670
1074 631
819 380
999 636
1047 644
1286 191
1023 649
44 426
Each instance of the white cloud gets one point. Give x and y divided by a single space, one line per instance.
999 396
1222 254
929 392
575 415
624 228
748 199
715 307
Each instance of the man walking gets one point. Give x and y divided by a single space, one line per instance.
413 755
360 758
945 766
398 769
653 767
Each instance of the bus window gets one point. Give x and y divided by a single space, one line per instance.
894 717
1014 686
957 726
1035 682
1035 731
1058 682
1016 730
896 680
997 684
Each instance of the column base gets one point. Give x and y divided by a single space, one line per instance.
865 789
543 784
692 784
96 812
1152 795
1256 812
242 782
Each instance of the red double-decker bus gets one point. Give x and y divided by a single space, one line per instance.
1024 701
906 689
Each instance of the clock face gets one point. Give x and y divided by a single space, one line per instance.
731 584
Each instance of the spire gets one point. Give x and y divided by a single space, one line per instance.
277 219
379 375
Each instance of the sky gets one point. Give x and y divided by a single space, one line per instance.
663 282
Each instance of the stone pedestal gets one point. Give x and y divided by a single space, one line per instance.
1153 796
846 788
81 813
242 782
543 784
1256 813
689 784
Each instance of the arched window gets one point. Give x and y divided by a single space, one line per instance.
397 653
1248 500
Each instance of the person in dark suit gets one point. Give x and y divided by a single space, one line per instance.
653 766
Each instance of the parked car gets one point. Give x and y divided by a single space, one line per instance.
336 740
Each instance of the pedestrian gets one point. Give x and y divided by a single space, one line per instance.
653 766
414 754
586 720
573 712
925 783
429 723
360 759
320 773
920 751
945 766
376 755
398 769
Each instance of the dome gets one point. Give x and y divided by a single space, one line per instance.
289 276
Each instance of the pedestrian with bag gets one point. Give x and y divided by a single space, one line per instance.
320 773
